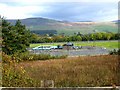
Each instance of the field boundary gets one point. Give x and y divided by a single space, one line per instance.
61 88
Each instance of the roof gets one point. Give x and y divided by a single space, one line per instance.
68 44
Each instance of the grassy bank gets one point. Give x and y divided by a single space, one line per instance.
107 44
69 72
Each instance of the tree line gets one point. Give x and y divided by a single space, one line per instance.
78 37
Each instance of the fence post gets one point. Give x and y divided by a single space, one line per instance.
47 83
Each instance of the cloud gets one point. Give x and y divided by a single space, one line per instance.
18 12
64 10
81 11
41 1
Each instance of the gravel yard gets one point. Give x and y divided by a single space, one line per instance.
85 50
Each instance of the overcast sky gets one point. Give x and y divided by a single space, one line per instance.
69 10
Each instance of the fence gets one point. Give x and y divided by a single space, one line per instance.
66 88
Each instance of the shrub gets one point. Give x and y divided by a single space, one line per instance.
26 56
6 58
15 77
59 57
115 52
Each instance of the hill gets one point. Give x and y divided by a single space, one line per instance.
34 21
39 25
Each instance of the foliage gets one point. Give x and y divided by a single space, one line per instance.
15 38
12 77
115 52
76 37
26 56
6 58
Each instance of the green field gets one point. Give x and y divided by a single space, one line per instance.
84 29
106 44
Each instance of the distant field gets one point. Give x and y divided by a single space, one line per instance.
106 44
82 28
75 71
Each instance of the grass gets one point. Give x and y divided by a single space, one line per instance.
106 28
69 72
107 44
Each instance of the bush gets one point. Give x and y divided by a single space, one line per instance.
15 77
59 57
26 56
41 56
6 58
115 52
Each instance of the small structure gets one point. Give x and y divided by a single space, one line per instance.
68 46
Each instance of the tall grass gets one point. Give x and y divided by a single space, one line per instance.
14 76
69 72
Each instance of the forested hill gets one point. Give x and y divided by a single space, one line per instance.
68 28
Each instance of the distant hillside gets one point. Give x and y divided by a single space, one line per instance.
116 21
68 28
35 21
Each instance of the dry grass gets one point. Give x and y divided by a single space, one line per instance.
75 71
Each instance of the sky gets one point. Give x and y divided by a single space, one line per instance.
67 10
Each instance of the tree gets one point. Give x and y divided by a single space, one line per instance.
5 36
109 35
99 36
78 38
15 38
92 37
